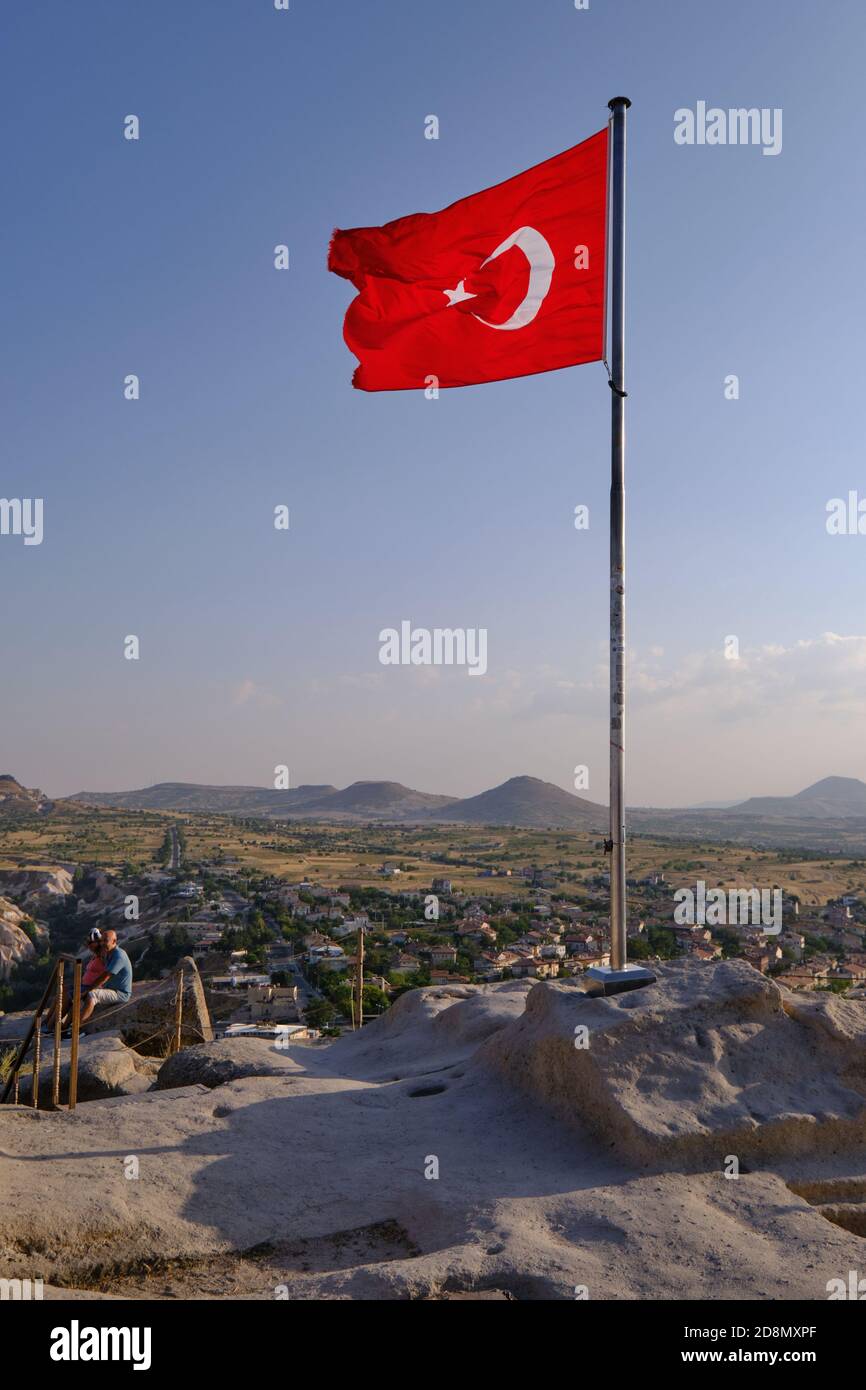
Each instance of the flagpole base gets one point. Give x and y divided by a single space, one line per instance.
605 980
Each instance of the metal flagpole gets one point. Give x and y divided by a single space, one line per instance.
619 975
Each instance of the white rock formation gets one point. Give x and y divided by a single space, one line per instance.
15 944
464 1144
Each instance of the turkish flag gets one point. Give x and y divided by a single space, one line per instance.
504 283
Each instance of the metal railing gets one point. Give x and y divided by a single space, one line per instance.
52 998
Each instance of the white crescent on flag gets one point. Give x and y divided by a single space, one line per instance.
542 262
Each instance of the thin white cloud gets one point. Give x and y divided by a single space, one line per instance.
247 692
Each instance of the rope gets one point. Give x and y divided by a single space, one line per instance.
610 381
107 1013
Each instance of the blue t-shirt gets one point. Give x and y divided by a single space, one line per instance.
119 969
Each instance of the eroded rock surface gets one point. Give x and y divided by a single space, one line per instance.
709 1059
106 1067
503 1161
217 1063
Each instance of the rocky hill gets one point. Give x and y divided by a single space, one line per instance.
16 800
15 943
527 801
37 887
832 797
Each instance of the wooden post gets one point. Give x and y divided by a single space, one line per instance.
76 1024
360 977
28 1038
37 1058
178 1012
58 1029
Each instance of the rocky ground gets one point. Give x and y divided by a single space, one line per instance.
470 1143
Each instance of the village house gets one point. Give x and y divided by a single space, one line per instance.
569 912
599 958
525 946
528 967
350 925
406 964
849 973
442 955
315 941
797 979
580 944
239 979
476 932
711 952
757 957
273 1004
794 943
501 960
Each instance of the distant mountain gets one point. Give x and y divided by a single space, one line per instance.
360 801
815 818
16 800
527 801
712 805
380 801
190 796
830 799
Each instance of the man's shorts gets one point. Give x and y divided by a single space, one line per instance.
107 996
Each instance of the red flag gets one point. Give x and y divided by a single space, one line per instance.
505 283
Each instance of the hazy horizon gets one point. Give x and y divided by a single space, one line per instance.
260 647
708 804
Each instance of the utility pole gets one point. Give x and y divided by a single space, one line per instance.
359 977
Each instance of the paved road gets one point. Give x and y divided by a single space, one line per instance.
175 849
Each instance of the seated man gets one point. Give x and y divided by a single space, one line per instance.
117 987
94 974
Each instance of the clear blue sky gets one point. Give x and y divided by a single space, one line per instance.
260 647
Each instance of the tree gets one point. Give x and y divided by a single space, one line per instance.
320 1013
28 926
376 1000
